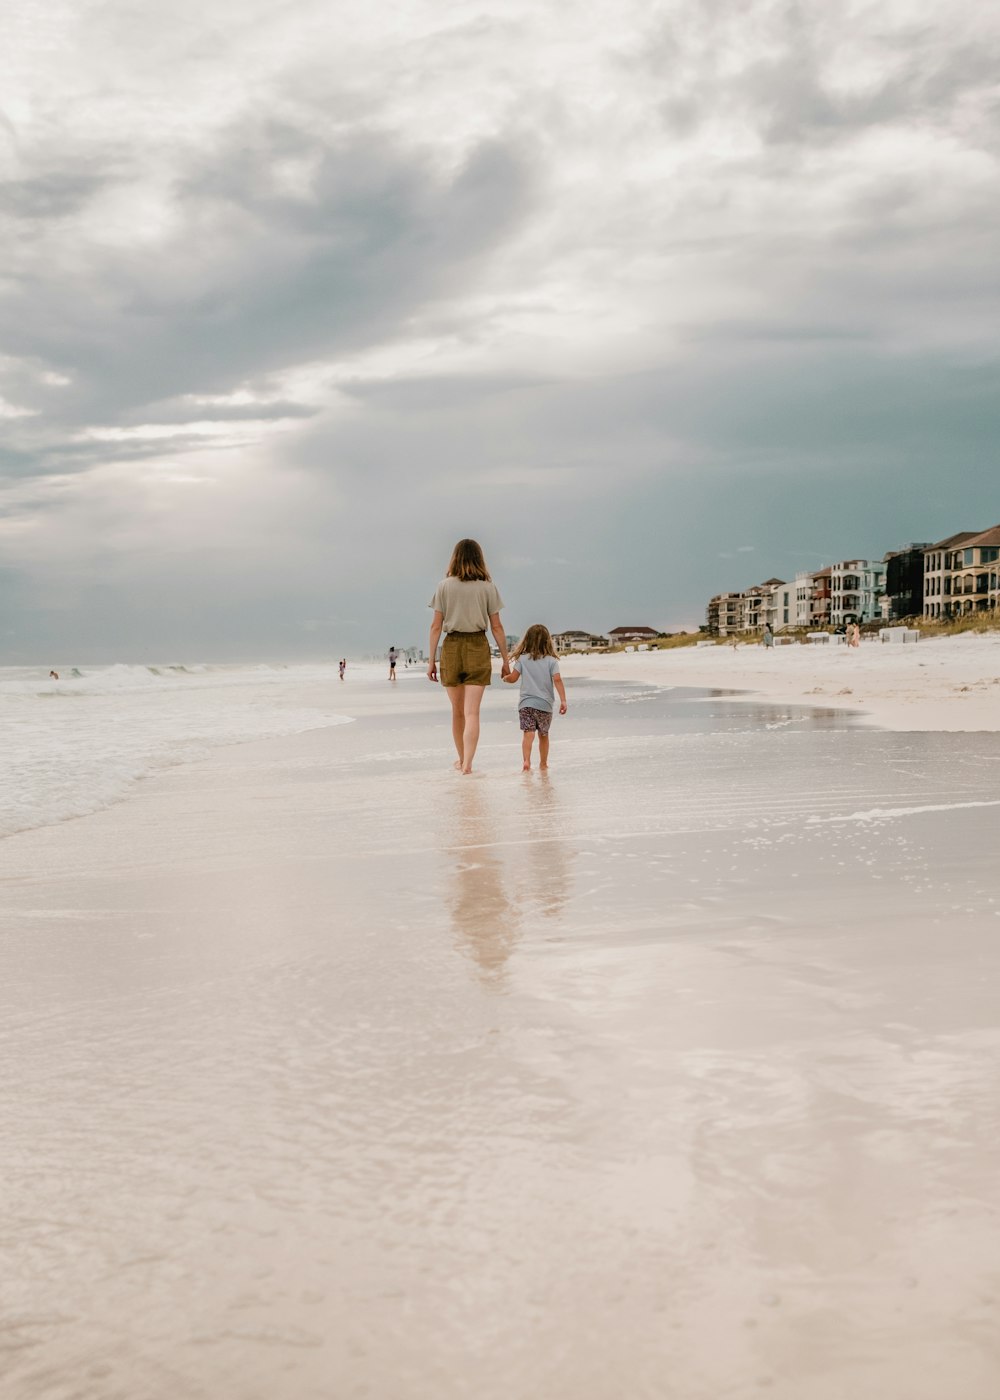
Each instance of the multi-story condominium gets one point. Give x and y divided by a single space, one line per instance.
804 584
730 613
938 560
783 606
812 598
904 582
820 613
856 588
758 606
712 616
973 575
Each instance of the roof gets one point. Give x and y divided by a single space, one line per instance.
988 537
773 583
651 630
962 537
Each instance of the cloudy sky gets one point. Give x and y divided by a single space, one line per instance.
653 297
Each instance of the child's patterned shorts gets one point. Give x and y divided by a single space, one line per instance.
533 721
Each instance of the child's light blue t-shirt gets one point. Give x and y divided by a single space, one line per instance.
537 689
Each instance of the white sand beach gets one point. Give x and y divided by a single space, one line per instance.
672 1073
946 683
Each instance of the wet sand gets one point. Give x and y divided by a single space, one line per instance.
670 1074
936 684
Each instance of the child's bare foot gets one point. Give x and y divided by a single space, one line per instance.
457 765
466 771
526 768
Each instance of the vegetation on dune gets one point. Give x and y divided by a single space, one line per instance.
977 623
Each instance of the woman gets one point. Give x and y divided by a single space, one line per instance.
465 603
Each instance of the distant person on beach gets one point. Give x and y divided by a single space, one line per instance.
466 602
53 675
393 658
853 635
768 635
535 664
343 666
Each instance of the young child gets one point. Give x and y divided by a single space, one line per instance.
535 664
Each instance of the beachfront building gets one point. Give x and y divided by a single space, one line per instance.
757 606
856 588
939 564
729 613
618 635
904 582
812 598
712 616
973 574
783 607
576 640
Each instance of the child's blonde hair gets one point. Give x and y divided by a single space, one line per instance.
537 642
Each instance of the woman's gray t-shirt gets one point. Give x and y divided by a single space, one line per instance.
466 604
537 688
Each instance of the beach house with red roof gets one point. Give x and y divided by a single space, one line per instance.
618 635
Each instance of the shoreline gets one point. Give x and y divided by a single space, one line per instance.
946 684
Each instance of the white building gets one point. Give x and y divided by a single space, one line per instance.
856 589
812 598
576 640
783 607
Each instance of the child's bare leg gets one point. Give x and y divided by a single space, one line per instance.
470 735
527 739
456 694
543 751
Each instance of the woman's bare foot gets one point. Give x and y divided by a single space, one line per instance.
457 765
543 768
466 771
526 768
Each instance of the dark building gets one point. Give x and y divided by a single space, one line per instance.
904 581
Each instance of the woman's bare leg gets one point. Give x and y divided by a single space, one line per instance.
470 737
456 694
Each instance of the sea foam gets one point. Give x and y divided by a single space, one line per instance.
74 745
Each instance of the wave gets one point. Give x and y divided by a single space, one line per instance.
130 677
78 744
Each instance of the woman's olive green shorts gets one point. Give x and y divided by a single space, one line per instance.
466 660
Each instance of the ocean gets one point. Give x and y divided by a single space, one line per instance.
74 745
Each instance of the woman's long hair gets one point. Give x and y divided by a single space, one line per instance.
536 642
467 562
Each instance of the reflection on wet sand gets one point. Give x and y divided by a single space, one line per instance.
547 881
486 921
502 862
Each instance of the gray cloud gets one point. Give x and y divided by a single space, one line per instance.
52 196
254 278
779 70
709 274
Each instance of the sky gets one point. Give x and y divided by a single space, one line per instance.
652 297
